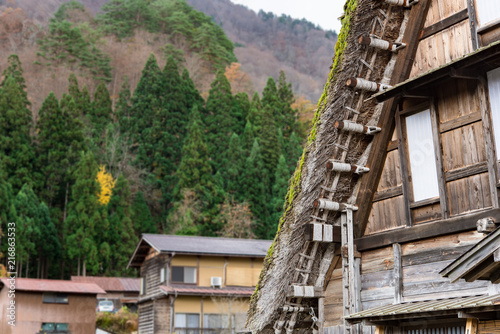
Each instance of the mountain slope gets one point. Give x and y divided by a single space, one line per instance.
266 43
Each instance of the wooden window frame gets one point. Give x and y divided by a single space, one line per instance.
479 34
57 296
179 282
404 157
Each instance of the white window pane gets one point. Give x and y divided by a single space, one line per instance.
494 89
422 156
487 11
180 320
193 320
162 275
189 275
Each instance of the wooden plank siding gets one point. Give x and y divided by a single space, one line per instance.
442 47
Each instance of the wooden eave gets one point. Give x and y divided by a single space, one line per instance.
429 309
140 253
470 66
481 262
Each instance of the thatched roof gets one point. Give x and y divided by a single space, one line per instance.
305 186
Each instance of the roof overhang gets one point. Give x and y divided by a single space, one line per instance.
471 66
140 253
429 309
233 292
480 262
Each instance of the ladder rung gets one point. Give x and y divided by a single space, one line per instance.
318 218
307 256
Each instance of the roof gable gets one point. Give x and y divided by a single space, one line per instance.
47 285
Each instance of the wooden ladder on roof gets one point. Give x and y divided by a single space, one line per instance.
351 281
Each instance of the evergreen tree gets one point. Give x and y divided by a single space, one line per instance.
293 151
270 95
73 89
123 107
287 115
268 140
255 186
279 190
48 245
85 216
195 171
101 112
218 119
122 239
26 207
15 141
192 94
248 138
15 70
60 140
141 216
240 112
234 162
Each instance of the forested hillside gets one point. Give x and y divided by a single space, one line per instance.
86 168
267 43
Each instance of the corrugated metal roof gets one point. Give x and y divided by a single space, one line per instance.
414 308
111 283
48 285
200 290
208 245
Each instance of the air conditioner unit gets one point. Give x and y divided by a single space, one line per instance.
216 282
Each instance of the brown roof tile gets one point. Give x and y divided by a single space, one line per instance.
48 285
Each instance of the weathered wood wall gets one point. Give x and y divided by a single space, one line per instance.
464 160
446 45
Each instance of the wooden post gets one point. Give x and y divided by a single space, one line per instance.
321 314
438 149
380 330
471 326
484 105
398 274
471 8
403 161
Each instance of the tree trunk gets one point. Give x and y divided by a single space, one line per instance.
84 269
78 270
27 266
38 268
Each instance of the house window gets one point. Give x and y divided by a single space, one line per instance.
422 156
143 285
494 90
213 323
187 323
60 328
487 11
55 298
184 275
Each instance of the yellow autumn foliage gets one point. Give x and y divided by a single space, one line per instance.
107 184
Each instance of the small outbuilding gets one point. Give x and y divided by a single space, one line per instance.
47 306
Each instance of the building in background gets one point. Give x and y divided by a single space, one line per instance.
196 284
122 291
46 306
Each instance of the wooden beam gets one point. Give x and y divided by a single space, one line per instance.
438 151
460 173
398 274
484 105
460 121
444 24
393 145
404 168
422 231
388 193
471 8
480 270
378 152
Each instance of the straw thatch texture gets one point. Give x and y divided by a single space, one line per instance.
282 259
